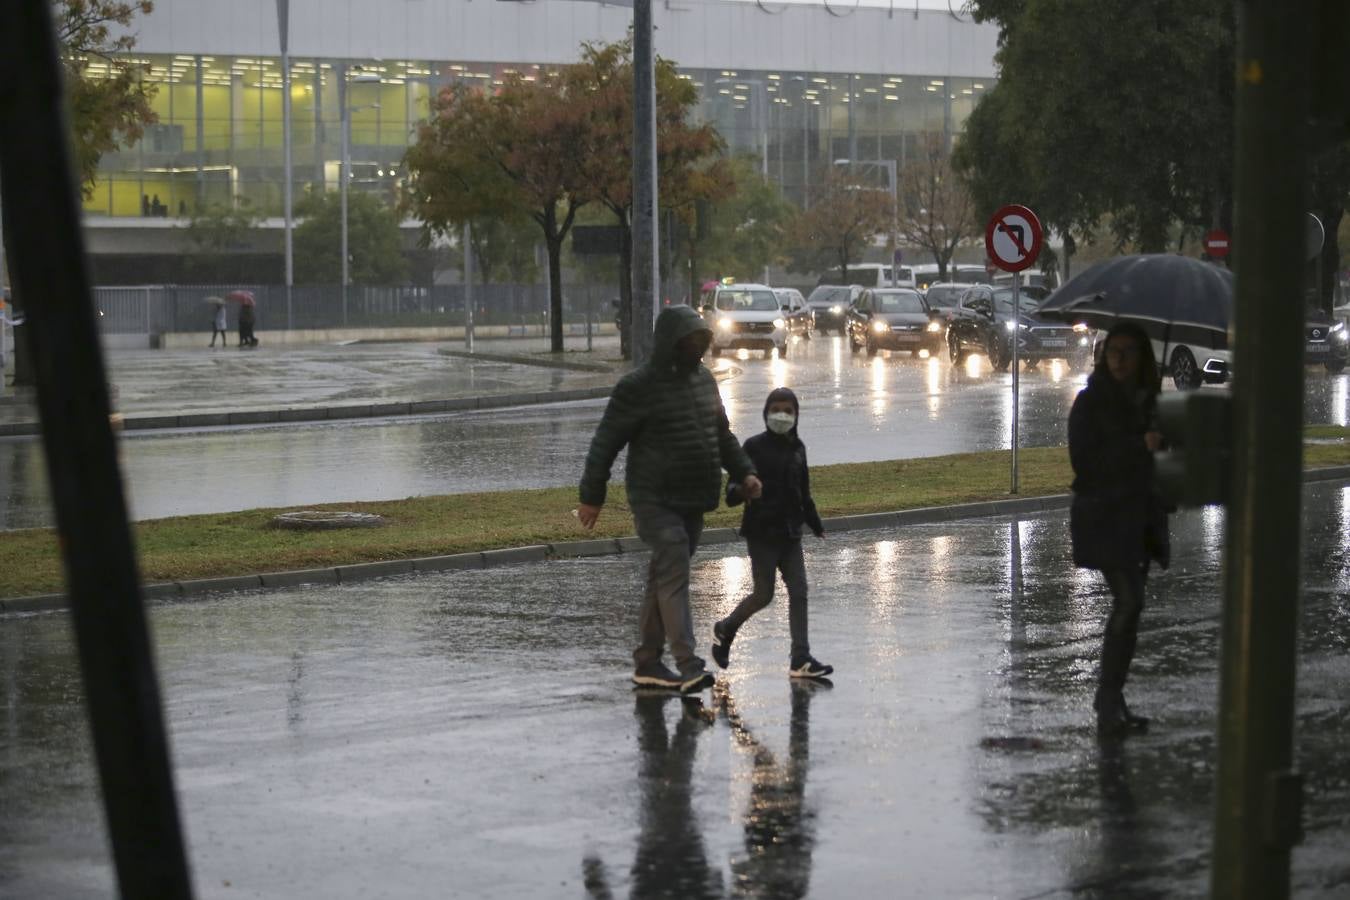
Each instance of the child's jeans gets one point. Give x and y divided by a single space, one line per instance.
768 557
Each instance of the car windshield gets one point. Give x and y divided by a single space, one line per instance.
741 301
1003 301
898 302
944 297
827 296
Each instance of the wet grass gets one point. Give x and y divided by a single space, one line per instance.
243 542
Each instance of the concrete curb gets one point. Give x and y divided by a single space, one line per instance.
525 360
487 559
331 413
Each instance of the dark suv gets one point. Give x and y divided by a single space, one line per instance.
830 305
983 323
1326 341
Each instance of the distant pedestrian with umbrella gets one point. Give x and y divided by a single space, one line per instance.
247 313
1118 522
218 321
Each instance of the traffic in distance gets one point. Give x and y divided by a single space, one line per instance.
906 309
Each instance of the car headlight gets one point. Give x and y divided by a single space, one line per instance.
934 326
1080 328
725 324
1340 331
881 327
779 323
836 309
1084 342
1010 325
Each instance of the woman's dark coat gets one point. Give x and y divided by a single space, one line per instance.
1117 519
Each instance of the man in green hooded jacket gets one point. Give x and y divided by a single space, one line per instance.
669 414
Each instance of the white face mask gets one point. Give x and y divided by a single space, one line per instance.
781 422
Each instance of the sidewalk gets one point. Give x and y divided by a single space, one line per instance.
206 387
334 741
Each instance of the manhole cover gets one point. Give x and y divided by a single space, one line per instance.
322 520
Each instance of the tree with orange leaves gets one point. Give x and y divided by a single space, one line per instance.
524 149
690 165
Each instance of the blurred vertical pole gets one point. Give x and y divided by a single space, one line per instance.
468 287
344 175
646 272
116 657
284 29
1257 816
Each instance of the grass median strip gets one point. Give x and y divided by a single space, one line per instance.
239 543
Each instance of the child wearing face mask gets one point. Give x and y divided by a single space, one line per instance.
772 528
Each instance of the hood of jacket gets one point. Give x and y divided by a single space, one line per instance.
674 323
779 395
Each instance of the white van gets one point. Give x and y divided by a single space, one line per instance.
875 275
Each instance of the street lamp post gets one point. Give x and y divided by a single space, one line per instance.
346 174
283 29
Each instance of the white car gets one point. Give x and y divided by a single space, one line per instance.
746 316
1191 363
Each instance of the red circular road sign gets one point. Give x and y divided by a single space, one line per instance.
1216 243
1013 238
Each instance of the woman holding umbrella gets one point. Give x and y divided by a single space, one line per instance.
1117 520
246 317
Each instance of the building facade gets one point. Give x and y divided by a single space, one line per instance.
797 86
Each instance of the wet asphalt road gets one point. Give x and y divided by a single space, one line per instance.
473 734
854 409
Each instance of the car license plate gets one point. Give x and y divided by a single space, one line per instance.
1317 348
1054 343
904 336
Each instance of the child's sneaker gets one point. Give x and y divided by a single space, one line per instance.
656 675
809 667
721 645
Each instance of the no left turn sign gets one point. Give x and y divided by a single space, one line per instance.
1013 238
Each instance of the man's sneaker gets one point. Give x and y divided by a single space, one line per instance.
656 675
809 667
696 680
721 645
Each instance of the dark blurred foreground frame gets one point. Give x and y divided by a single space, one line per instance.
47 263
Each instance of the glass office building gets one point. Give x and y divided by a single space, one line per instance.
219 135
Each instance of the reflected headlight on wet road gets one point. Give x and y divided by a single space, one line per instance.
935 326
724 324
881 327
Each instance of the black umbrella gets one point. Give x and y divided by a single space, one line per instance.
1174 298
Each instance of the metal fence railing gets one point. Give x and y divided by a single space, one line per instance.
159 309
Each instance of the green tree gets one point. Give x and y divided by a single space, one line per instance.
374 245
747 230
503 246
108 110
1108 106
836 228
522 150
221 229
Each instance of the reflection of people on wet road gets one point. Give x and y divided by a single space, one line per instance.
772 528
671 860
1117 520
669 414
779 828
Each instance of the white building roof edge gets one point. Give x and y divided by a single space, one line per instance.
705 34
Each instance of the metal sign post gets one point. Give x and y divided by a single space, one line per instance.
1016 373
1013 241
